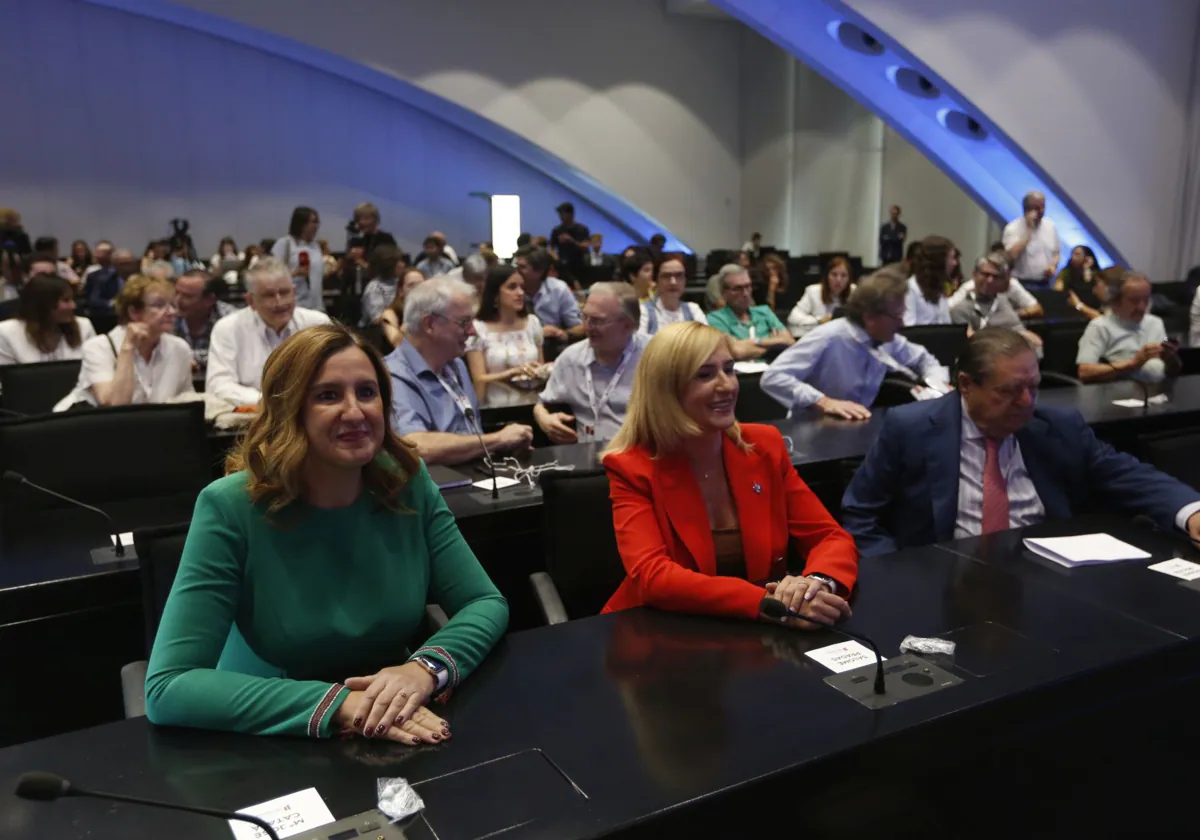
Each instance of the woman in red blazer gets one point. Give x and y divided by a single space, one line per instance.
704 508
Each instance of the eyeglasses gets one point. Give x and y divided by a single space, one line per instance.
461 323
598 323
743 287
672 275
160 305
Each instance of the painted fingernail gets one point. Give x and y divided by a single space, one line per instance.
416 740
379 730
436 737
357 722
445 731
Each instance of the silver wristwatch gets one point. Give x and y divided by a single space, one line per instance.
825 579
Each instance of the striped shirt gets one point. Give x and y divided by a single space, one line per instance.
1024 505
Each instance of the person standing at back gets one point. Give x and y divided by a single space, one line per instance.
369 236
892 237
1032 242
302 255
570 239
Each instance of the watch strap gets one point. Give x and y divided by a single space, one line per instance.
825 579
439 672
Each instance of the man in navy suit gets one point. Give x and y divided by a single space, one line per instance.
988 458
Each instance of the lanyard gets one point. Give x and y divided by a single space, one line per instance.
460 398
598 404
985 316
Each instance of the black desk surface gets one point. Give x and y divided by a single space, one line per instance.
1095 402
650 714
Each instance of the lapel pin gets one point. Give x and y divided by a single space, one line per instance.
756 487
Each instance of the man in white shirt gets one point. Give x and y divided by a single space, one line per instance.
241 342
839 366
1127 342
1031 242
989 458
1019 298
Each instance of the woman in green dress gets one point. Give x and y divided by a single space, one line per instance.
308 567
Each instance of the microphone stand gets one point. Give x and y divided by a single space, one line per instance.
774 608
487 455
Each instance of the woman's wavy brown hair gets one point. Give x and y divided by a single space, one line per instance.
929 267
274 447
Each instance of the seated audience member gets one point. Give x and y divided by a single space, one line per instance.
198 312
756 328
384 268
302 256
777 278
505 356
227 252
668 305
159 270
1032 242
369 236
989 458
105 281
987 303
48 246
181 259
1127 342
1194 332
434 262
705 509
392 319
240 343
549 298
435 406
926 302
81 258
817 304
839 366
638 271
447 248
597 259
157 250
474 271
594 377
1080 278
277 623
656 245
46 328
138 361
1019 298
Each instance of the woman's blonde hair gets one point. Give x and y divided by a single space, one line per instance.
655 418
133 293
275 445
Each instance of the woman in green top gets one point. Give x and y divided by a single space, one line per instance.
314 559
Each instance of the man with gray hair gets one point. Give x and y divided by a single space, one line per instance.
240 343
756 330
1031 242
595 377
987 303
1127 342
839 365
433 401
473 270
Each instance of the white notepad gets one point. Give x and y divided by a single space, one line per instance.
844 656
288 815
1085 550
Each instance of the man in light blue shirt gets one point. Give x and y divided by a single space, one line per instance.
595 377
433 400
550 299
1127 342
839 365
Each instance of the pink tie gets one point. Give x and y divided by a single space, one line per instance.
995 492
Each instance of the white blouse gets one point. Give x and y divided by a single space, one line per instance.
919 311
165 376
17 349
664 316
810 309
504 350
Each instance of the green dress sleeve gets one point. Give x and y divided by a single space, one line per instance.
478 612
183 685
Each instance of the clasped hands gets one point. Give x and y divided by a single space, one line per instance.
391 704
808 597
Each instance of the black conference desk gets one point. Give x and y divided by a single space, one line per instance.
671 723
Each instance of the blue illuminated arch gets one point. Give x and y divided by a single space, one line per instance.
636 223
898 87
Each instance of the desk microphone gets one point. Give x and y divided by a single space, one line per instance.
487 456
108 554
774 608
1173 533
46 787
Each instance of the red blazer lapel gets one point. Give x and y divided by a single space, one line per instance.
684 506
752 488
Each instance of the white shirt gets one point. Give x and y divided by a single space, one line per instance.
1024 505
238 349
308 294
1018 296
504 350
17 349
664 316
166 375
810 309
1040 254
918 311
